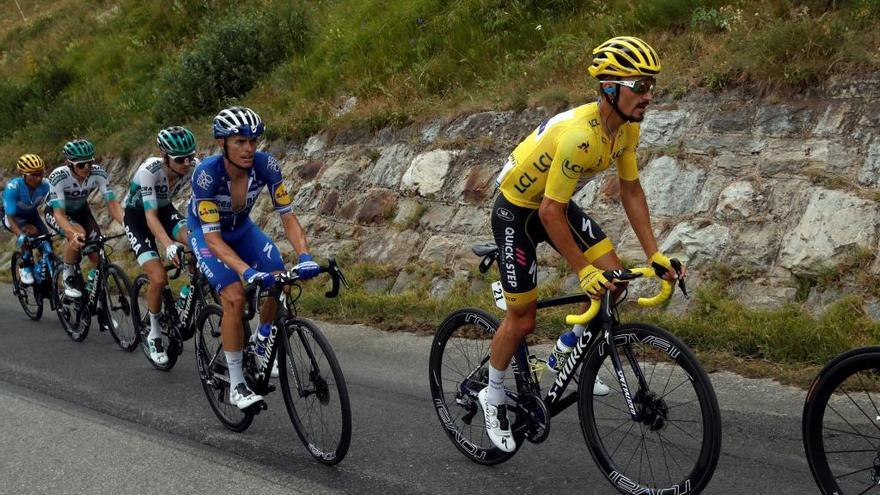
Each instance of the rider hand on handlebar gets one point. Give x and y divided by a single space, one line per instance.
593 281
669 269
173 252
306 268
76 238
265 280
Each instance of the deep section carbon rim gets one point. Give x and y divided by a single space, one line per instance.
117 289
458 370
314 391
28 296
676 443
841 424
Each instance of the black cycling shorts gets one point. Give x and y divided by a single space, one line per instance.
82 217
22 220
518 231
142 241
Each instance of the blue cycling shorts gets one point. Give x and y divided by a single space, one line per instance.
248 242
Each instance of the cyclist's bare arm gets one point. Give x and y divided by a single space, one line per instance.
12 225
636 206
115 211
294 233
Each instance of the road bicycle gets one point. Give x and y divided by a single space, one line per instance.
841 423
32 296
178 315
309 374
659 429
107 295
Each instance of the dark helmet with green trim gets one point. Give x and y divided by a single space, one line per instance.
176 141
79 150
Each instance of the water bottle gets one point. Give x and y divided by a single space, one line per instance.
261 337
90 279
564 346
184 293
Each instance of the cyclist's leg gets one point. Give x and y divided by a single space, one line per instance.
70 255
143 243
28 229
258 251
229 286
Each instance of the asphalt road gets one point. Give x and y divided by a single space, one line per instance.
89 418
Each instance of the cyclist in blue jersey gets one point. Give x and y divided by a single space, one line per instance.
228 245
21 200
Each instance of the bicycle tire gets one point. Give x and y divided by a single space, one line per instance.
116 304
211 365
663 414
140 317
300 365
73 313
30 297
831 416
470 330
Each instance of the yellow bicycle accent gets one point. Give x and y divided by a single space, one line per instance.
666 289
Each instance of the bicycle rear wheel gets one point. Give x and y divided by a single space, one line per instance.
841 424
29 296
314 391
458 370
140 317
73 313
213 373
117 305
676 443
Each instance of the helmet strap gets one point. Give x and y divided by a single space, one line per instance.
612 100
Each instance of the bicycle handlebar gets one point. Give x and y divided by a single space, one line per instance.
291 276
666 289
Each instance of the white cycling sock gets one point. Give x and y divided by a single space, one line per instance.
69 270
233 362
496 393
155 328
579 330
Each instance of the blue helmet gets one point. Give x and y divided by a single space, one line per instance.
234 121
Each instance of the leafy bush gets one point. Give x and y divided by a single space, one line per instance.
228 57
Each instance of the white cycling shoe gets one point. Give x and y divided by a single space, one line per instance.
600 389
157 351
243 397
70 289
497 424
26 276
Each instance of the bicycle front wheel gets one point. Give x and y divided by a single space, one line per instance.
675 443
458 370
29 296
314 391
213 372
841 424
118 308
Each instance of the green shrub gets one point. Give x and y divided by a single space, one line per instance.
228 57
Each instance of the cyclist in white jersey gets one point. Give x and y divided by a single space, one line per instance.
68 210
150 215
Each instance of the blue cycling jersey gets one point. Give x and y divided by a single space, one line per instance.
211 204
19 199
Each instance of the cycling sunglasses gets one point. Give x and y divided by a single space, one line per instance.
180 160
639 86
82 165
33 174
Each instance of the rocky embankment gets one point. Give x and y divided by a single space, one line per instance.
773 188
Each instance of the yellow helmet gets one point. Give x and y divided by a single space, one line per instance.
29 163
624 56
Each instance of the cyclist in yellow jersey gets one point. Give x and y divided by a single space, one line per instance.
536 186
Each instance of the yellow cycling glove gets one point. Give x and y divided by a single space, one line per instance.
592 280
661 259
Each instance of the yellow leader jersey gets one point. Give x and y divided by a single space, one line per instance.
563 150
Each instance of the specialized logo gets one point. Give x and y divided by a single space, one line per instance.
587 227
208 212
268 250
572 170
282 198
504 214
204 180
